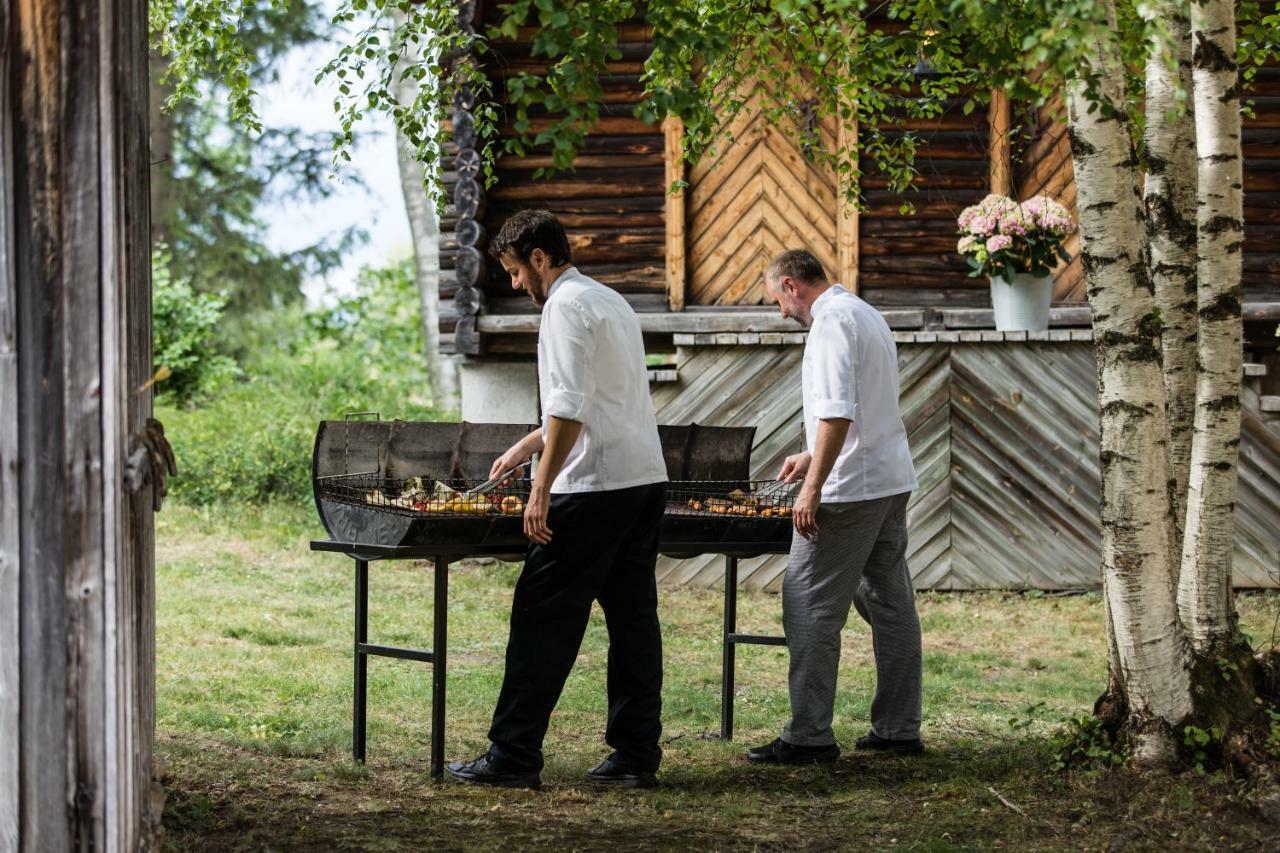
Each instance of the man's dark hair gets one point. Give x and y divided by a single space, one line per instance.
800 264
529 230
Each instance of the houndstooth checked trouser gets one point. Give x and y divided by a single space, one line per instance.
858 557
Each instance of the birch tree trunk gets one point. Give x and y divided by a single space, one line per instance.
425 230
1204 594
1170 198
1137 518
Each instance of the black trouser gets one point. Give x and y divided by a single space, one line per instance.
604 546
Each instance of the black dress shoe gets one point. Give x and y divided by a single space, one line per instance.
873 741
615 772
485 771
781 752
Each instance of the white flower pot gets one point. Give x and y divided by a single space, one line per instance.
1023 304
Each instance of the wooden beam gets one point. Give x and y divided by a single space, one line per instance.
999 143
694 321
673 133
847 223
9 542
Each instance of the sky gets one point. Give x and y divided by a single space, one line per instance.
299 101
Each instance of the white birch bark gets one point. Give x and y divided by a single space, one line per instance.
1204 593
1170 199
1137 515
424 227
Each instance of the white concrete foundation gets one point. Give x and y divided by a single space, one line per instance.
499 392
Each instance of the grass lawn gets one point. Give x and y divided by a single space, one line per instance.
254 709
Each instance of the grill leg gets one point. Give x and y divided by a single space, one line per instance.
440 628
361 661
730 626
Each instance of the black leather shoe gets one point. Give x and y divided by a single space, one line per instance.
615 772
781 752
873 741
484 771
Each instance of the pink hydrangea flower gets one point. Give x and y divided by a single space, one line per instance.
983 226
999 241
968 243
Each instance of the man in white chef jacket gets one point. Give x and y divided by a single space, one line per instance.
592 520
850 540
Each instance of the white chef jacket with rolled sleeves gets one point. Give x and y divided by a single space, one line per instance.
850 371
591 369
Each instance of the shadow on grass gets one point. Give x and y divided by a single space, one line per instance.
708 800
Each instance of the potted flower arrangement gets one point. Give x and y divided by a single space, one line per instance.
1017 246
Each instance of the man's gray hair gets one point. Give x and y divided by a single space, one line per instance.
800 264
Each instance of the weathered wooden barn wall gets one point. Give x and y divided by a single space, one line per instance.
76 557
1004 433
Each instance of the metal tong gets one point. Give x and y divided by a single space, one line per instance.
773 488
491 484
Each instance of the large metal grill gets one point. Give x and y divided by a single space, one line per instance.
411 485
390 490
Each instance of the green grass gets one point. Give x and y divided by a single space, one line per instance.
254 710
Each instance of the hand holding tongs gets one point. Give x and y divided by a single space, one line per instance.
492 483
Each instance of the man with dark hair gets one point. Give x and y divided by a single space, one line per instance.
850 540
592 519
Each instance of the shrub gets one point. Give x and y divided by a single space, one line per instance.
253 440
184 325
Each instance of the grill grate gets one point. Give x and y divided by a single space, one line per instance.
424 497
731 499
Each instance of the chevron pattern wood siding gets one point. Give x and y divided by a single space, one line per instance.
754 197
1004 438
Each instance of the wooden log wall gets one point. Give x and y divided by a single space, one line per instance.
615 207
613 202
1004 438
1262 187
1044 168
77 641
911 260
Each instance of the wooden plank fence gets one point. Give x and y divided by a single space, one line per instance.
1004 434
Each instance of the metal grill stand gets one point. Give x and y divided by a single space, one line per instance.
377 502
437 657
732 640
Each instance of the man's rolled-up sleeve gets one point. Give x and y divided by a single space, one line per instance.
571 382
832 353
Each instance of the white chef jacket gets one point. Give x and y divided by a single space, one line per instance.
591 369
851 371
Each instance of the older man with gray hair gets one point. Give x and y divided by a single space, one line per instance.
850 540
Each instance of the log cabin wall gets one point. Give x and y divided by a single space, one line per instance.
1262 187
746 202
911 259
1044 167
750 199
612 203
